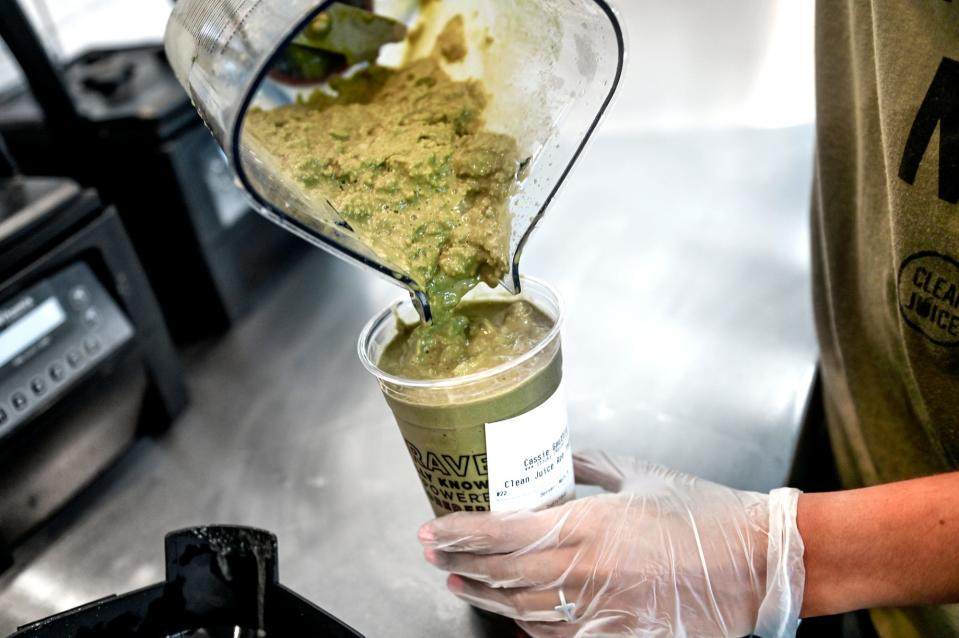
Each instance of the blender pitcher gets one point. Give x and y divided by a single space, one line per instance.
550 68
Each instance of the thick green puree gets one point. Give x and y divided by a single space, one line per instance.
405 158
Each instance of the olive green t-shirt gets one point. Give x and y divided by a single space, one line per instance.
886 248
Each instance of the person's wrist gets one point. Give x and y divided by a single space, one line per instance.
835 583
820 586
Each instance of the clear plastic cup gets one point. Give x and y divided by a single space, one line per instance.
496 440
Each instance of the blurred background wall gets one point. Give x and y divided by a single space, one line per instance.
72 26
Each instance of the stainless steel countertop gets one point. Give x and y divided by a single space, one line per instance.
683 260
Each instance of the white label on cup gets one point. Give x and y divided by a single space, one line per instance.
529 459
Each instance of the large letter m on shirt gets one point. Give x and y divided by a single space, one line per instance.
941 106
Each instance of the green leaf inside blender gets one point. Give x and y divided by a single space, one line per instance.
355 34
336 39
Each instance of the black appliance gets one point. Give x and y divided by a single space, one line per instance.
86 363
118 121
220 582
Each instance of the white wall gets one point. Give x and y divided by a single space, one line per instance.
700 63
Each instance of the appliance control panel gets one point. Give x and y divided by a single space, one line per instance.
51 336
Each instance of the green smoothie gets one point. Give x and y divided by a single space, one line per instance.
503 368
405 158
445 431
478 336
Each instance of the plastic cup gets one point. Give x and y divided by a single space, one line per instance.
496 440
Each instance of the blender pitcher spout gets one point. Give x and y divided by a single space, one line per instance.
422 305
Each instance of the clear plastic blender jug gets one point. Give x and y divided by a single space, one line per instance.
550 67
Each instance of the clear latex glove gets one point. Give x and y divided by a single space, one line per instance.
665 554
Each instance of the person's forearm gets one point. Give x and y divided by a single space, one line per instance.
890 545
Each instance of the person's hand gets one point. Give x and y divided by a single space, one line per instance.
665 554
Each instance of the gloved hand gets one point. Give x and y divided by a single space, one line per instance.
665 554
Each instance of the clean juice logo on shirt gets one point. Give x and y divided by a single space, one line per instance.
929 296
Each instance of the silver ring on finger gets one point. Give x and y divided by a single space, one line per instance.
568 610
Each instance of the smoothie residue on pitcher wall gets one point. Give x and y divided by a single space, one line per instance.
405 157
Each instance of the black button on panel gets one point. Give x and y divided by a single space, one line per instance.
73 358
91 345
38 386
57 372
91 317
19 400
79 298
